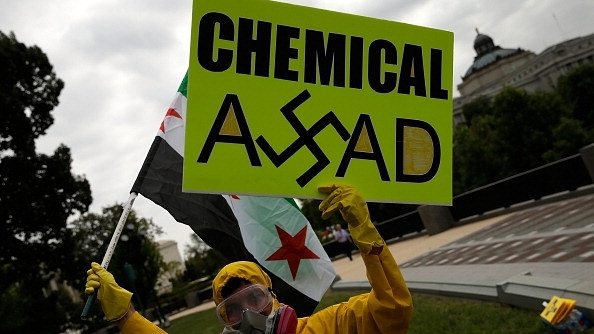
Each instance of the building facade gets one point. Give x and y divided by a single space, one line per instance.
495 67
171 256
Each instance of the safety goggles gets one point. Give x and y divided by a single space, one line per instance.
254 298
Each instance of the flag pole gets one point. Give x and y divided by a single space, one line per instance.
110 250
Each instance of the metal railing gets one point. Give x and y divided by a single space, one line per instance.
565 175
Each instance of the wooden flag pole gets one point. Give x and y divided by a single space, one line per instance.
110 250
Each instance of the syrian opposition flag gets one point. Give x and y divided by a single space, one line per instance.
275 231
270 231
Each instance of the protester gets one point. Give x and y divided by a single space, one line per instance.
246 302
344 240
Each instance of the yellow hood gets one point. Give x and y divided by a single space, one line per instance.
241 269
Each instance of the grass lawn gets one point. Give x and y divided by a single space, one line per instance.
431 315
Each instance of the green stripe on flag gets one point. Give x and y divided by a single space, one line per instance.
293 203
183 87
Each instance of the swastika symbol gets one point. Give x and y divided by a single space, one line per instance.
306 138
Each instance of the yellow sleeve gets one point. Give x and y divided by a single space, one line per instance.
386 309
137 324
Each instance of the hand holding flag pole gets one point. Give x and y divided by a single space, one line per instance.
110 250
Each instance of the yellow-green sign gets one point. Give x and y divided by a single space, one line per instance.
285 98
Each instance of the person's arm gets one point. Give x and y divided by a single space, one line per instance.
389 301
388 307
120 322
116 302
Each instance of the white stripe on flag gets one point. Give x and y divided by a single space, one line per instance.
257 217
173 126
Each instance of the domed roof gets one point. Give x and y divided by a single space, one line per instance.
483 44
487 53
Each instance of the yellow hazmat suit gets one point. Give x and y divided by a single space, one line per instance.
387 308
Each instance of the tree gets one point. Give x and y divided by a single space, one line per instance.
475 159
525 124
171 271
137 247
517 131
29 91
202 260
311 211
576 89
480 106
38 193
505 136
568 137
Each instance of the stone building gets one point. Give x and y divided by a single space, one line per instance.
171 256
495 67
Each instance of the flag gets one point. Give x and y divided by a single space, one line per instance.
275 231
270 226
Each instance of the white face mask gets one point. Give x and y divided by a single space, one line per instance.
282 321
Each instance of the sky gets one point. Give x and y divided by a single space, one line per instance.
122 62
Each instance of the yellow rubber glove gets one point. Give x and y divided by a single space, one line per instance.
346 199
114 300
353 209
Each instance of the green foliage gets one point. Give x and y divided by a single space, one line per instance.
480 106
517 131
206 264
14 304
38 193
310 209
575 88
51 311
91 236
202 260
29 91
568 135
524 124
476 161
443 315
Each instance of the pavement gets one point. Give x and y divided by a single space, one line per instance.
521 258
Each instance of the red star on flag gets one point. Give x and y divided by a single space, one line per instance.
293 249
170 113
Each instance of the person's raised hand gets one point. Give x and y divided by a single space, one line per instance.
353 208
114 300
347 200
